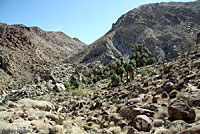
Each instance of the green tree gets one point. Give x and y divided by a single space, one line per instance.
133 62
105 75
122 61
142 55
121 72
114 66
144 61
115 80
126 69
130 70
151 61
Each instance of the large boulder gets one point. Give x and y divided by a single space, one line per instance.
141 111
177 126
143 123
192 130
168 87
42 105
59 87
180 110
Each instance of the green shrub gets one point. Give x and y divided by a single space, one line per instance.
125 112
145 71
79 92
151 61
94 80
76 84
90 82
86 73
67 85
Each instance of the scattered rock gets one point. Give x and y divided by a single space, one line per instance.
42 105
164 95
179 110
177 126
162 131
172 94
56 130
59 87
168 87
142 123
140 111
158 122
192 130
131 131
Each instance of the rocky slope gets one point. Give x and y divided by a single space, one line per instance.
28 51
167 29
164 101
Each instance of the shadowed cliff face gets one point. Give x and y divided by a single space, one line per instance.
25 51
167 29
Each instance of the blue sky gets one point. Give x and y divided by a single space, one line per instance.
87 20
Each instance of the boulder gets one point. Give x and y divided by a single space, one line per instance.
141 111
122 123
192 130
42 105
180 110
59 87
162 131
164 95
168 87
56 129
177 126
158 122
143 123
172 94
131 131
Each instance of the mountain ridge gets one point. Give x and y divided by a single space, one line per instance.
26 51
167 29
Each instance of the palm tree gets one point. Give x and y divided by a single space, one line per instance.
121 72
130 69
126 69
115 80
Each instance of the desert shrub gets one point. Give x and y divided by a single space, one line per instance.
125 112
94 80
76 84
67 85
79 92
90 81
146 71
86 73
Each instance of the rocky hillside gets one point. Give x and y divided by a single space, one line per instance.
166 100
167 29
28 51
